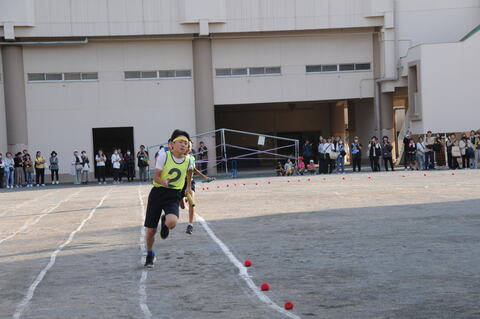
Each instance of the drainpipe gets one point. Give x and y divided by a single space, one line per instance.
85 41
379 81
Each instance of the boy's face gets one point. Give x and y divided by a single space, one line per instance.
180 146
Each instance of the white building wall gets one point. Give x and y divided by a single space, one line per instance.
433 21
293 53
61 115
451 86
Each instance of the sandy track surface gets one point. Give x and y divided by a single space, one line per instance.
384 245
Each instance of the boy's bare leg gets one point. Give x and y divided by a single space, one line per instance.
191 212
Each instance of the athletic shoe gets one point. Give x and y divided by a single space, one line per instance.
164 231
149 261
189 229
43 184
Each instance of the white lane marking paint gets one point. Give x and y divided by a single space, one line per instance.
142 291
26 202
243 273
36 220
31 290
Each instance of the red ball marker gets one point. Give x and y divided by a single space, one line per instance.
248 263
265 286
289 305
308 179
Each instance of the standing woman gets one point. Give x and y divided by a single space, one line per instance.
466 149
476 147
121 172
101 159
421 149
411 155
54 167
453 152
85 167
19 172
76 168
29 169
438 148
39 169
9 170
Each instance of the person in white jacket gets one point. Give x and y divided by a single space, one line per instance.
116 159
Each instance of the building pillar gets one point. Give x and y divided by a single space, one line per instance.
204 107
386 107
15 100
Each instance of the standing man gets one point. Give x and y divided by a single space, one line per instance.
172 170
356 151
203 157
387 152
429 157
142 162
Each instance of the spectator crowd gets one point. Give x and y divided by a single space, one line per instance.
419 153
22 170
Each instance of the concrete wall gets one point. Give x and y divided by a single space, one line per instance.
3 124
293 53
451 86
137 17
275 118
363 122
61 115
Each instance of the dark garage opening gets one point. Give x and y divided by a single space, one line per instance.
109 138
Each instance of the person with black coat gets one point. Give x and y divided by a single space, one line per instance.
374 153
129 165
387 153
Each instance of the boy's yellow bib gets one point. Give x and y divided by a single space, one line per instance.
175 173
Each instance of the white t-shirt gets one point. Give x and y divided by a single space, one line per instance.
100 163
162 158
116 160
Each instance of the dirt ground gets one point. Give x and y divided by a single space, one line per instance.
371 245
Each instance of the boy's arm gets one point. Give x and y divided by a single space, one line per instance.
189 180
196 171
157 179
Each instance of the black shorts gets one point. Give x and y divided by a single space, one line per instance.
185 188
161 199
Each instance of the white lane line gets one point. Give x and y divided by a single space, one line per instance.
142 292
243 273
36 220
26 202
31 290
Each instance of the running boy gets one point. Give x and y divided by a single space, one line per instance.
172 170
191 208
